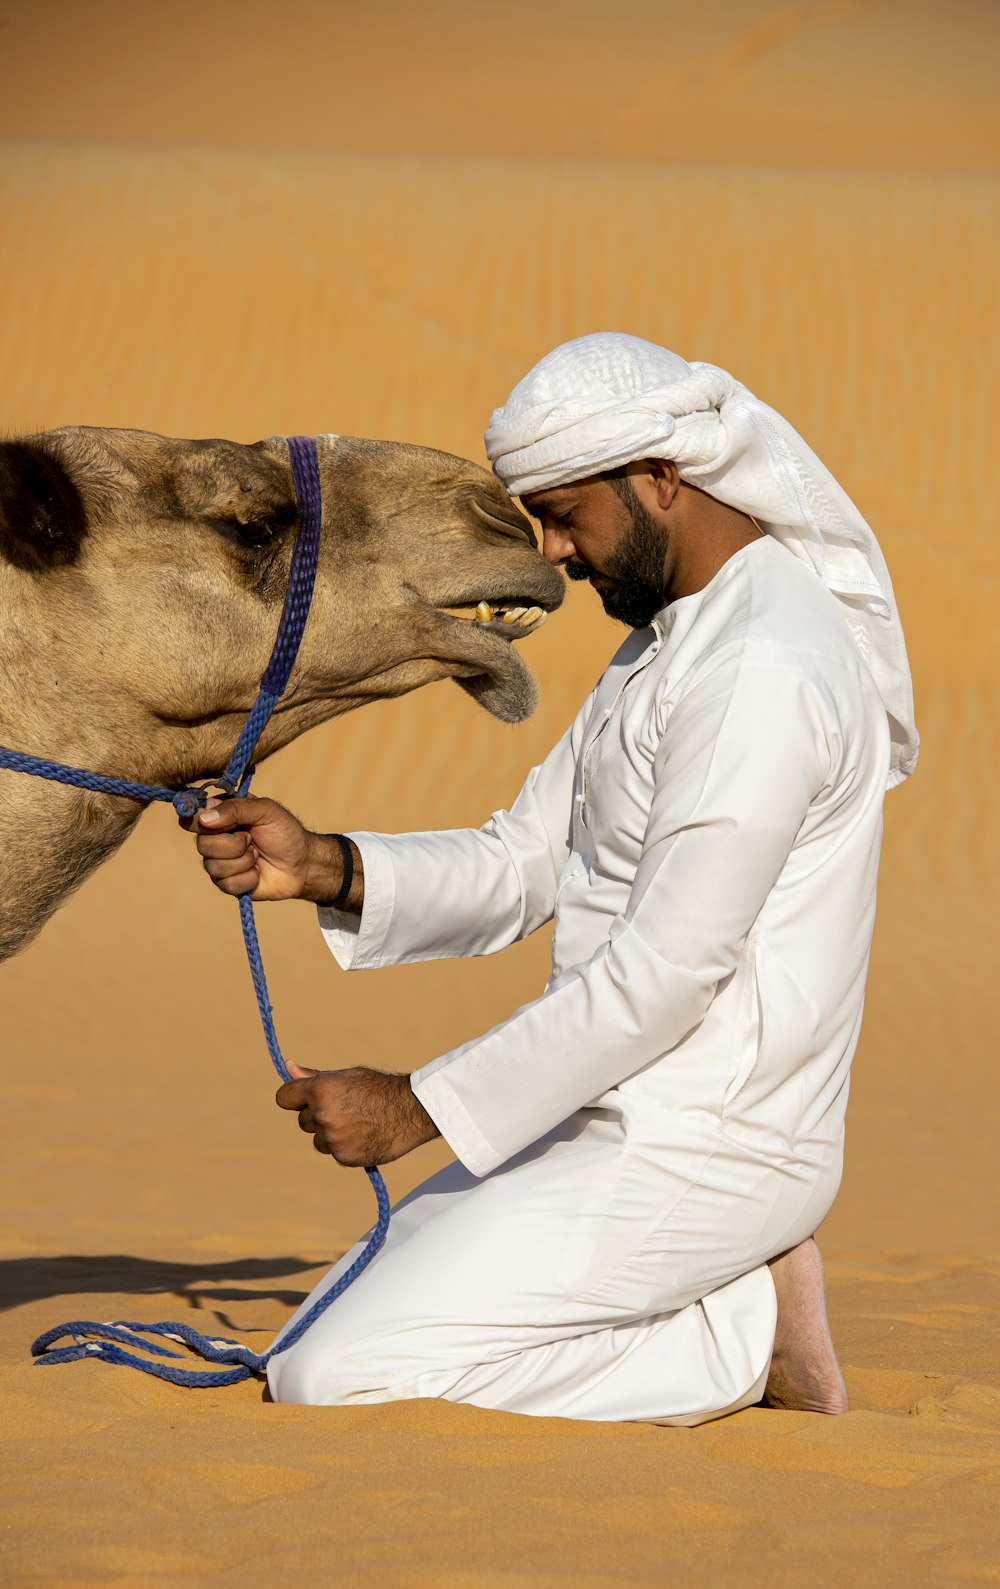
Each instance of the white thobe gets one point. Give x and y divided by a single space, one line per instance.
639 1141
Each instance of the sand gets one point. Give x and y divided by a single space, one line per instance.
381 248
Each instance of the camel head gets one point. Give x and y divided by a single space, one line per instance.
145 577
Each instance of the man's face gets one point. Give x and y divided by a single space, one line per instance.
602 532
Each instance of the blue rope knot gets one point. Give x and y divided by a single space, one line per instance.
111 1342
187 801
195 796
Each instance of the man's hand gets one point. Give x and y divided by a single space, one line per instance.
256 847
359 1116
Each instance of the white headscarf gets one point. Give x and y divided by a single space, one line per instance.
609 399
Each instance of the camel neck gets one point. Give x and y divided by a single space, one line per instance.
51 839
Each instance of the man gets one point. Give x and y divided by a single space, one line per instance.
645 1151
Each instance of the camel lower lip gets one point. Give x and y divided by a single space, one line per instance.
485 662
502 684
508 693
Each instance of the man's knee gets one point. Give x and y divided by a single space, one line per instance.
348 1359
394 1362
310 1377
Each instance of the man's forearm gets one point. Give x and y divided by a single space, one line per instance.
324 872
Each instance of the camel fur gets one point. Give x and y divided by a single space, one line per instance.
141 582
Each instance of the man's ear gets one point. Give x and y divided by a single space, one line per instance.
666 480
42 517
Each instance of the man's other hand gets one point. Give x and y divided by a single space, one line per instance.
359 1116
256 847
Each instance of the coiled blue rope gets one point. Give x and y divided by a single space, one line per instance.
111 1342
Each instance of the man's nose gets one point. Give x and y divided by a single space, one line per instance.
557 546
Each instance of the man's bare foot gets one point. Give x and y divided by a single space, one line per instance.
805 1375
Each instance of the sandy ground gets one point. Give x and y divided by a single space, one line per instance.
122 1480
823 230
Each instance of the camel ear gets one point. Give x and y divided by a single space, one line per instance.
42 518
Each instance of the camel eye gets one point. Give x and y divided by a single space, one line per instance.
258 532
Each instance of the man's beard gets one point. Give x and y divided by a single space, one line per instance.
636 566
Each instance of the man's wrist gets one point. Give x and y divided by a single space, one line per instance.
324 874
424 1128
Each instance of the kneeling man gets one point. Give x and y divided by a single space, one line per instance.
643 1152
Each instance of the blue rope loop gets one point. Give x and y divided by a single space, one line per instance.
298 600
108 1342
119 1343
96 782
305 563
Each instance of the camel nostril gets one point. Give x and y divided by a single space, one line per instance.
508 523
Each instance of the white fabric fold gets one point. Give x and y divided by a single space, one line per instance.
608 399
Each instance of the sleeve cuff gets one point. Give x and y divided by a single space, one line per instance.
453 1120
357 942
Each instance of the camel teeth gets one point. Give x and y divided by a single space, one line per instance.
534 615
484 613
513 614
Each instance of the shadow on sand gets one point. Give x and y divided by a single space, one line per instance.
24 1280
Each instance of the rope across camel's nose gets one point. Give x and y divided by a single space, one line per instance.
118 1343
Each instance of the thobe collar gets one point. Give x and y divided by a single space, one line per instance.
681 612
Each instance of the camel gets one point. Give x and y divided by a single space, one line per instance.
141 581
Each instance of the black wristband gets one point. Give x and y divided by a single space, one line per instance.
345 887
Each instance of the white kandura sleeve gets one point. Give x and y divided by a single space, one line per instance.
465 891
746 749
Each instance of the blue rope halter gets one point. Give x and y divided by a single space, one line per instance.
109 1342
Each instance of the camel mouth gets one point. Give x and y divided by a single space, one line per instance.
480 639
476 629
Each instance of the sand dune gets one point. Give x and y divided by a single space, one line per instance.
815 84
399 253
